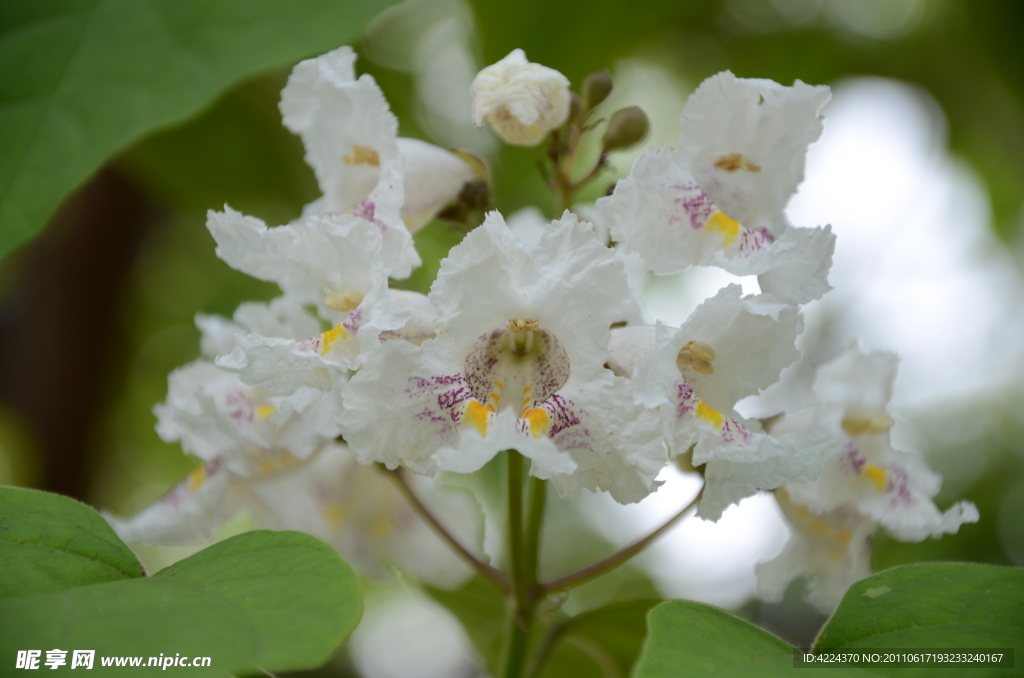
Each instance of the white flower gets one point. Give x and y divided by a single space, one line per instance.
865 484
517 364
892 487
363 168
216 416
717 199
833 549
523 101
528 224
276 458
729 348
356 509
283 317
331 261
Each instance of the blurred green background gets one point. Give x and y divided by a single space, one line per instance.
96 310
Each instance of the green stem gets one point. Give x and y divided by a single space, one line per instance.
534 525
613 561
520 619
518 638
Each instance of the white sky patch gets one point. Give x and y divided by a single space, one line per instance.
916 270
697 560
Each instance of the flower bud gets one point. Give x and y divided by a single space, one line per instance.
522 101
596 88
627 128
433 178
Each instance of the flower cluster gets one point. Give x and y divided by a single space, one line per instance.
533 337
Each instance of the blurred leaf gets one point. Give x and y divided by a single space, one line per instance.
81 79
274 600
575 37
433 242
237 153
480 608
50 543
934 605
602 642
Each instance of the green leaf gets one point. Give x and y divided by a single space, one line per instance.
602 642
932 605
295 589
257 168
698 640
273 600
82 79
50 543
480 608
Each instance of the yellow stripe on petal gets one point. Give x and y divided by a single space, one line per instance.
877 475
713 417
728 228
539 421
332 335
381 527
477 416
819 528
265 411
196 478
334 516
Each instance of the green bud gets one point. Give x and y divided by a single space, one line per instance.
596 88
627 128
575 106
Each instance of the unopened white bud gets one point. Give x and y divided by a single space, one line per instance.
522 101
433 179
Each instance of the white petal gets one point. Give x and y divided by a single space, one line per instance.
736 470
216 416
833 549
768 124
799 262
282 318
402 407
856 381
361 512
660 212
305 259
350 137
617 446
627 345
896 492
190 513
751 349
433 178
568 282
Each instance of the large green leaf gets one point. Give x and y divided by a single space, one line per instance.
698 640
603 642
81 79
946 606
50 543
933 605
274 600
